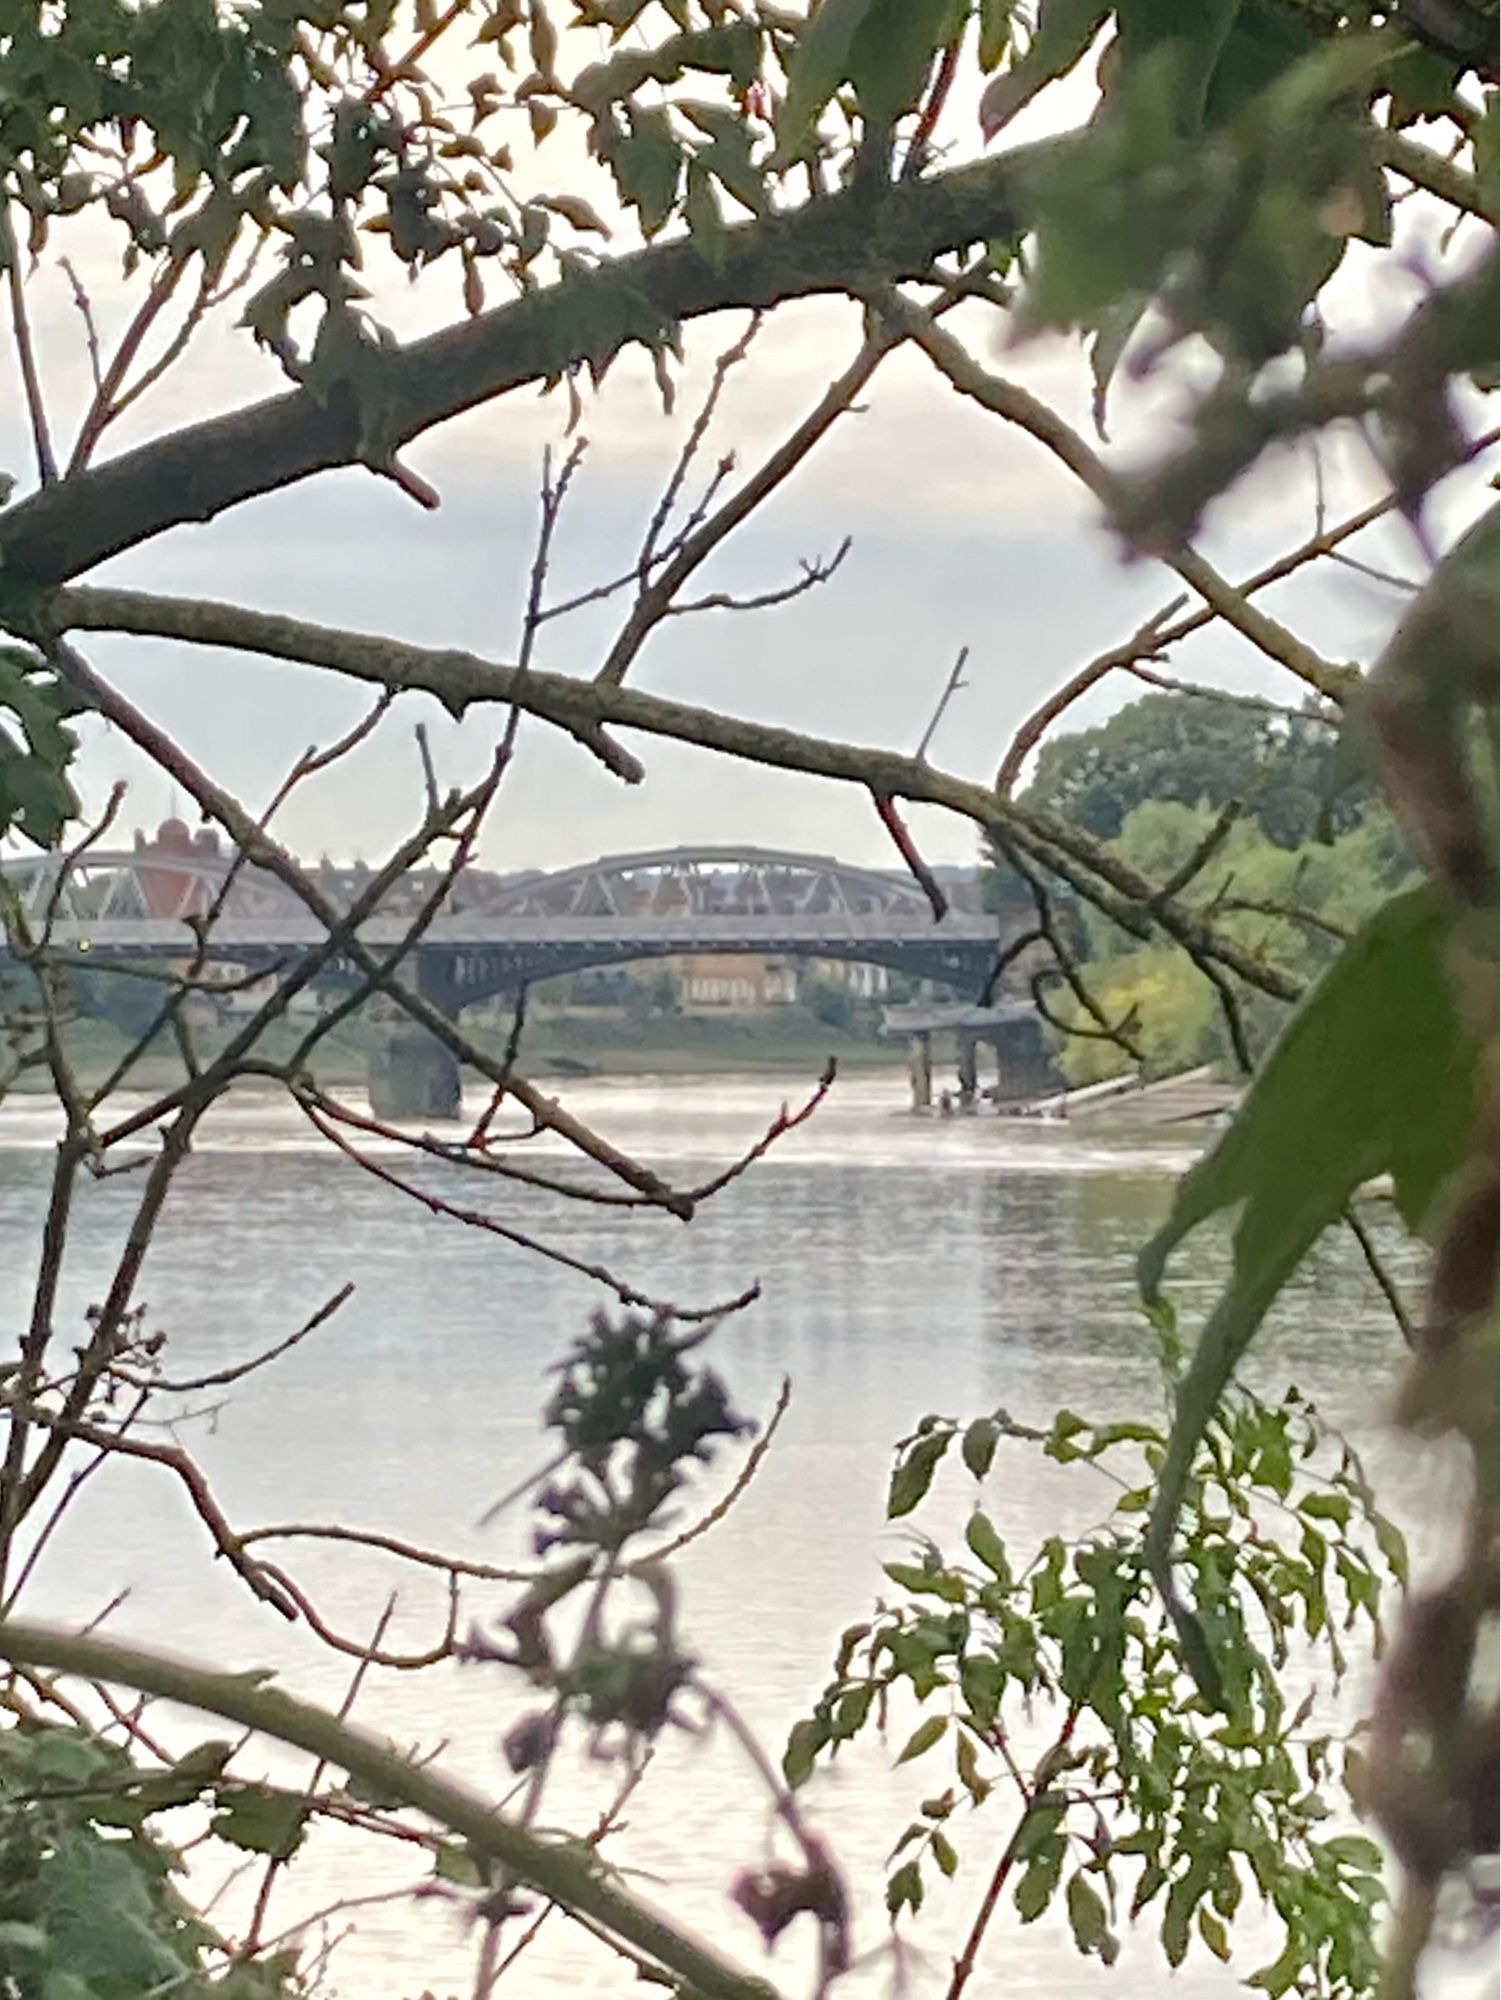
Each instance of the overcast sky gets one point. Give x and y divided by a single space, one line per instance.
964 533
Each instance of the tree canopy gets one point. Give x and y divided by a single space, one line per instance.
1286 771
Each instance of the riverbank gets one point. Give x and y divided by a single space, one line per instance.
592 1041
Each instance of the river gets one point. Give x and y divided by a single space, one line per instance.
906 1266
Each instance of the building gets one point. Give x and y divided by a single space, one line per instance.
733 979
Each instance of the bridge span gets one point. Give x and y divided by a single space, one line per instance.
493 935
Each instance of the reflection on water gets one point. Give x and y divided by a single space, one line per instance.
906 1265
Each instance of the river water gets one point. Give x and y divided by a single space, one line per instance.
906 1266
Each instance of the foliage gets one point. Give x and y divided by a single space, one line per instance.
1290 907
1141 1796
36 748
1286 772
89 1909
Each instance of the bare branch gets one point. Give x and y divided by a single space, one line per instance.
222 1377
1020 407
906 846
951 687
20 321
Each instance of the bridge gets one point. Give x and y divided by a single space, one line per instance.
494 934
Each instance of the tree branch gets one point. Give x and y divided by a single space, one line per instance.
1018 406
459 679
554 1868
846 243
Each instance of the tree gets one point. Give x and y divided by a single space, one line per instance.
279 162
1200 750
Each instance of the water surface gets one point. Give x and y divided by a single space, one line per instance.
906 1266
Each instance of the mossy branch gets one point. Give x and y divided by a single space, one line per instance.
566 1873
846 243
581 708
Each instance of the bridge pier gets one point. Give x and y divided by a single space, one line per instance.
409 1073
920 1069
969 1070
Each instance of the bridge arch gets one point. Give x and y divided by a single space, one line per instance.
727 881
141 884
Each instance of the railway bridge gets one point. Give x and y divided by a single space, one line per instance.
494 935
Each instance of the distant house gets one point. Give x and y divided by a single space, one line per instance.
724 979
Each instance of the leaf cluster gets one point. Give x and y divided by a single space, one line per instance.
36 748
1146 1798
89 1907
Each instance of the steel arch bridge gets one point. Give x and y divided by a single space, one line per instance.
711 882
495 935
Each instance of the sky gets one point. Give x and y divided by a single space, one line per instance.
963 533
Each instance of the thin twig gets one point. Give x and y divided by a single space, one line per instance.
951 687
31 381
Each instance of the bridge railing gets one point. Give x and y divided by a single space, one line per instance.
460 932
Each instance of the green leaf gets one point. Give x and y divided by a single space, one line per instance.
819 65
927 1733
850 1711
1375 1073
891 52
1212 1931
1327 1507
984 1542
647 163
1065 29
803 1745
1393 1545
967 1758
1035 1889
914 1473
262 1819
943 1853
904 1889
997 19
977 1448
1353 1850
36 798
1087 1916
454 1862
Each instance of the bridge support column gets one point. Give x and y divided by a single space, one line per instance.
410 1074
969 1071
1001 1078
920 1069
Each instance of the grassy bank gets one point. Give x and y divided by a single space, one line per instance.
611 1042
595 1041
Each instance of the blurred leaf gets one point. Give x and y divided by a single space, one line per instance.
262 1820
927 1733
977 1448
914 1473
1375 1073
